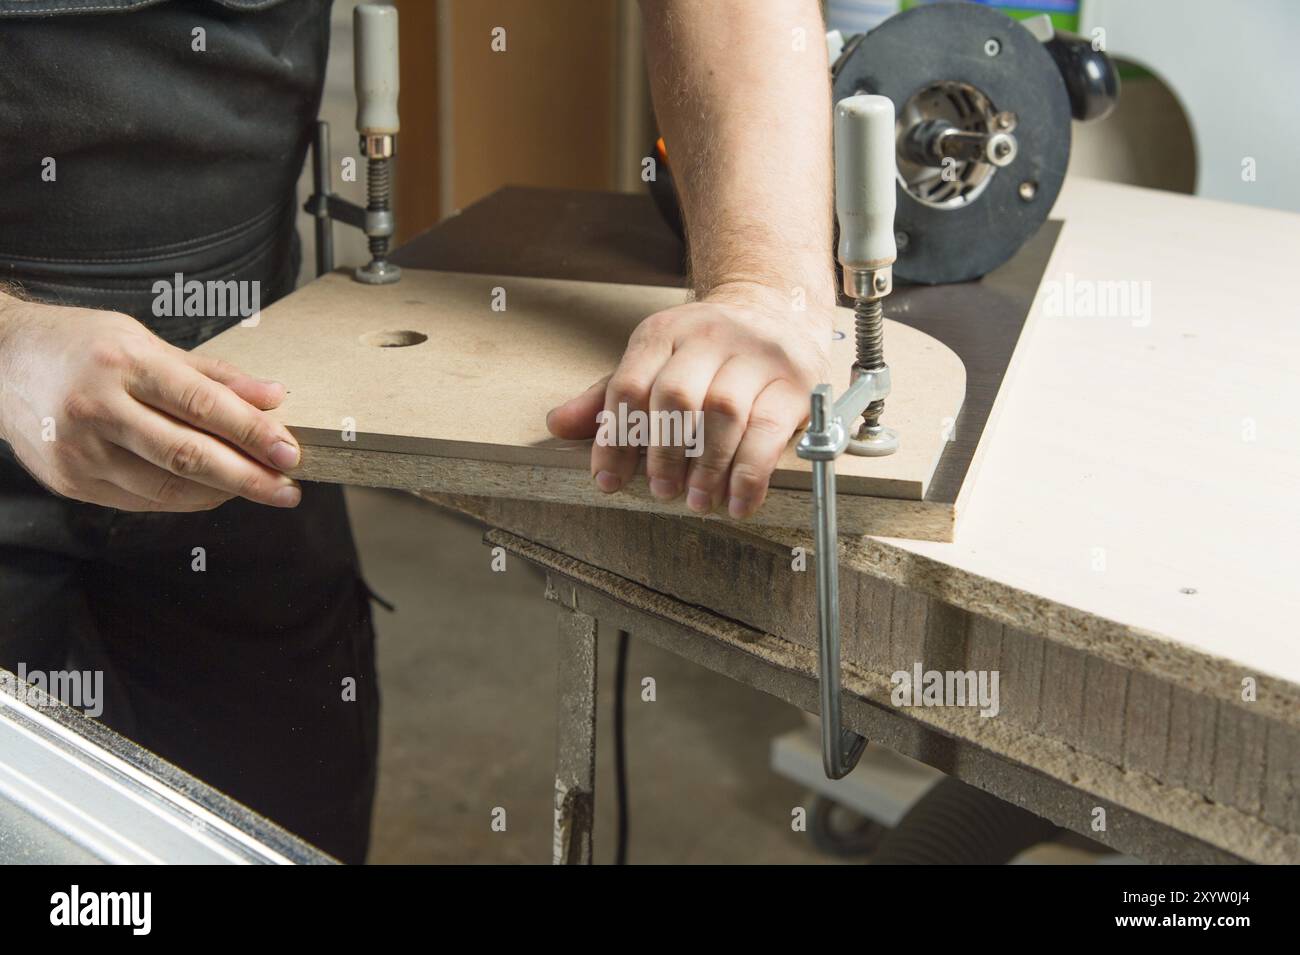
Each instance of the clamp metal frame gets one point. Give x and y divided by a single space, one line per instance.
826 438
865 173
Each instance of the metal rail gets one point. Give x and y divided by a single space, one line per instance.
73 791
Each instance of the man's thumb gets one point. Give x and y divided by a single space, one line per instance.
576 418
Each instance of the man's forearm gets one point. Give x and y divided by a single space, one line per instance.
741 92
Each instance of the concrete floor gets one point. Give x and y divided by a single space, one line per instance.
467 667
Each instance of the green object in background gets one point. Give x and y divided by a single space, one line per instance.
1064 13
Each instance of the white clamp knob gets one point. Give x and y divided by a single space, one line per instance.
865 173
375 61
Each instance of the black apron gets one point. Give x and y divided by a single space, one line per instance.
167 159
171 160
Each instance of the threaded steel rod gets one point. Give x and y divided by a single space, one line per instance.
378 192
869 331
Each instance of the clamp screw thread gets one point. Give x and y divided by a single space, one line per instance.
378 193
869 330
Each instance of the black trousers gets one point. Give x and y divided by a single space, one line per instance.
255 674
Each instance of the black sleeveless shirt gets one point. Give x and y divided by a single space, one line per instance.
166 159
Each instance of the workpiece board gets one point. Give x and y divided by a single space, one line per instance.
391 384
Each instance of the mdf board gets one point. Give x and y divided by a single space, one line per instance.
426 385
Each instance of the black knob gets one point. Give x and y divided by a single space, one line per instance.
1091 79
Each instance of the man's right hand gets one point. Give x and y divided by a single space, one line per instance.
100 409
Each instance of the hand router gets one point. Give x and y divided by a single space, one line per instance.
376 80
865 175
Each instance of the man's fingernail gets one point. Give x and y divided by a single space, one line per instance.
608 482
287 496
284 455
664 488
737 507
698 501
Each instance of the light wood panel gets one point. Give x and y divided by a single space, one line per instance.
1146 464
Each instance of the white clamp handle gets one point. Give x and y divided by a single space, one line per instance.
374 56
865 173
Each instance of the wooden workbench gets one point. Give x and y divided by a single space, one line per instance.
1125 559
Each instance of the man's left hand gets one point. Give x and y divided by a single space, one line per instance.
746 359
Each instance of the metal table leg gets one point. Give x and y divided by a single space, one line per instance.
575 758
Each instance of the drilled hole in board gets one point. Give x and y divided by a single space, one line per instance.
393 339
